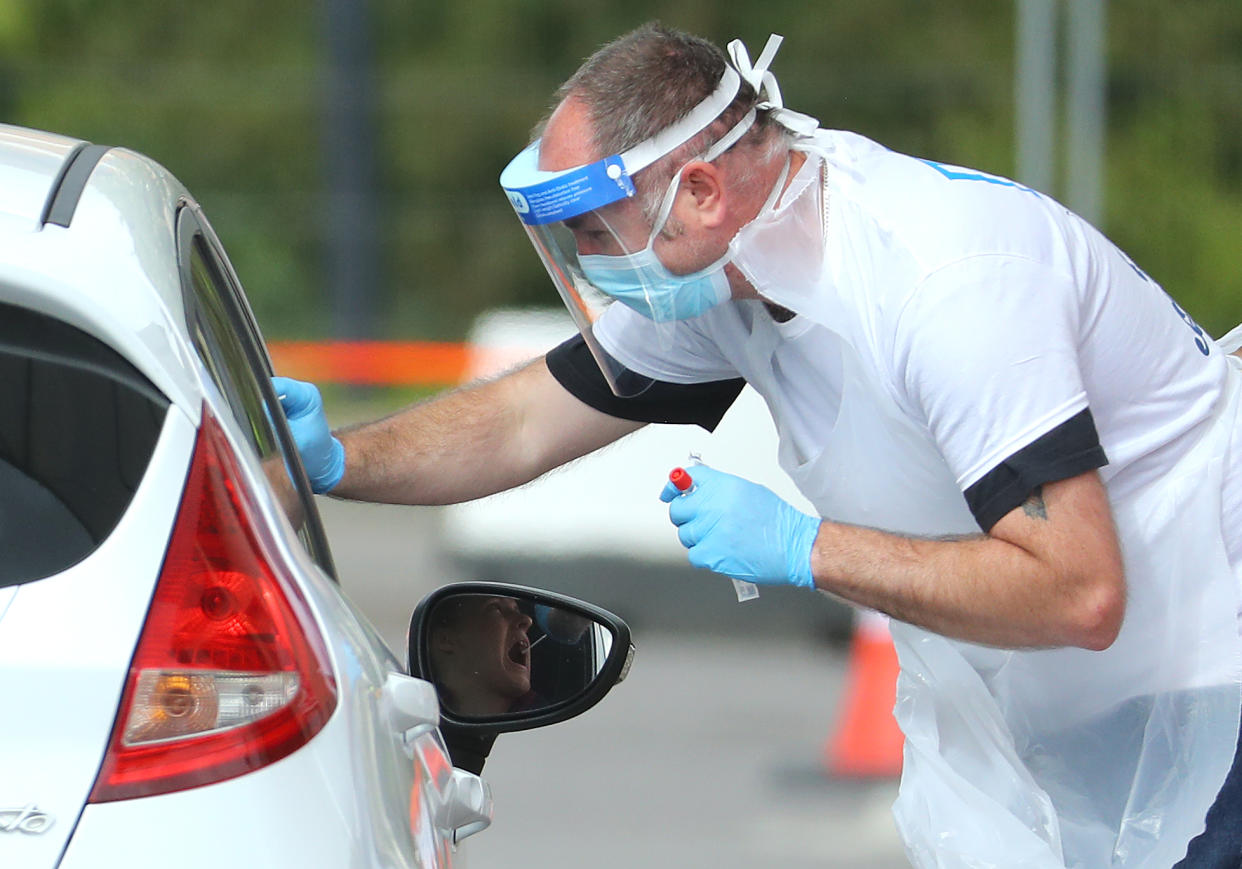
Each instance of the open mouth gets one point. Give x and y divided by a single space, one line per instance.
519 652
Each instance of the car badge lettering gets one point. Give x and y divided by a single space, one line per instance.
27 819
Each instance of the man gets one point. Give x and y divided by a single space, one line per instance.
944 352
481 655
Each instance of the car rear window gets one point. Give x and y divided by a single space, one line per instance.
78 424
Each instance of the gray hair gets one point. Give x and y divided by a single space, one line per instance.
646 80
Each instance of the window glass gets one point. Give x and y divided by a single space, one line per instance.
221 350
78 425
221 333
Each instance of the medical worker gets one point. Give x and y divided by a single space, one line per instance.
1017 445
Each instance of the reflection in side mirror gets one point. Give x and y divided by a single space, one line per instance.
505 657
495 654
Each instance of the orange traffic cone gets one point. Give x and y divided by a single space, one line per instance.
867 741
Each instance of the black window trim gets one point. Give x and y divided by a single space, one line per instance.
191 229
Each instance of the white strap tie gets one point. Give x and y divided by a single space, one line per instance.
761 79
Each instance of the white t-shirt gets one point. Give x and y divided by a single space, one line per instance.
990 312
978 317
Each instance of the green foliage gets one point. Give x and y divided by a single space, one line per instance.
222 93
1175 150
15 25
228 95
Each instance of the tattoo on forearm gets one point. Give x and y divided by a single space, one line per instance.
1034 506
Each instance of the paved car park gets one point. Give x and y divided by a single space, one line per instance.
709 754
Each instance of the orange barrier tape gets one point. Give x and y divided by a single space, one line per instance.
393 363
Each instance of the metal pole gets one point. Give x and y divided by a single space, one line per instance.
351 249
1034 92
1085 114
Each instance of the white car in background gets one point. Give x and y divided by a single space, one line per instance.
182 682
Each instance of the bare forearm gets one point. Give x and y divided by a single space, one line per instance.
448 449
472 442
975 589
984 589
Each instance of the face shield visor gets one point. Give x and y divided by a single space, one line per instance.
597 243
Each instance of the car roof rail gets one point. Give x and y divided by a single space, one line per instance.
62 199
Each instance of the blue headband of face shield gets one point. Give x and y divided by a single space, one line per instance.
540 197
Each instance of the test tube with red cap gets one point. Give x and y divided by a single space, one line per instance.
681 480
684 483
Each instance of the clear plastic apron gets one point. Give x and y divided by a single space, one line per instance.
1043 758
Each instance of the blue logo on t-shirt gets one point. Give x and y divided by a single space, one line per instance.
1200 339
955 173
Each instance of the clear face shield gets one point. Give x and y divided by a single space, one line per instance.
597 244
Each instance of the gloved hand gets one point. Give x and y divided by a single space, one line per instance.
322 454
742 529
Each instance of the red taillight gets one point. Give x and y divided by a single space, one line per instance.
230 673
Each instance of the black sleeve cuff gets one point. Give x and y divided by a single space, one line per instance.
701 404
1070 449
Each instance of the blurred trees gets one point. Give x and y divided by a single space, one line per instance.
227 95
222 93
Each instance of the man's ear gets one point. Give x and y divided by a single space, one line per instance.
705 185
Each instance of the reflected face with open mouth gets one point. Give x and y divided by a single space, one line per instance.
481 654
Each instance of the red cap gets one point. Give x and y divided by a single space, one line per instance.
680 479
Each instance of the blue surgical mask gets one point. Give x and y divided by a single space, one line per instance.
640 281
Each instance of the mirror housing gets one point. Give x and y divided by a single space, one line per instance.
506 657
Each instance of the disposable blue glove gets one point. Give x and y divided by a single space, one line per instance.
742 529
323 456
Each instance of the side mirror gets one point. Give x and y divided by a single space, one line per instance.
505 658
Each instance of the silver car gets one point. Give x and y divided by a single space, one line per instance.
182 681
